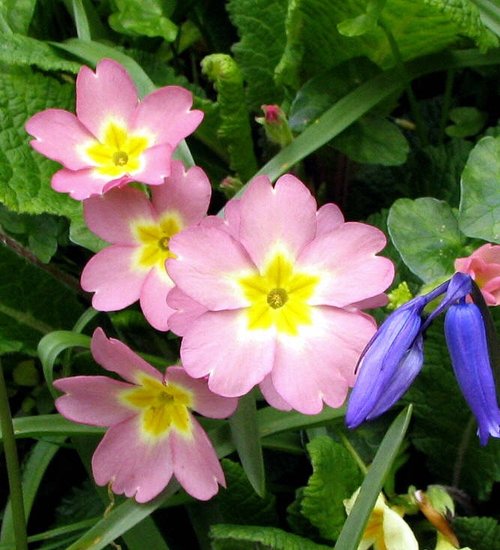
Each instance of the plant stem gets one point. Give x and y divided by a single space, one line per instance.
13 471
445 109
415 109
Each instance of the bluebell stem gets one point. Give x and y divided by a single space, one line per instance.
394 356
468 347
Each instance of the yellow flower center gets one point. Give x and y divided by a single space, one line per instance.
118 152
161 406
278 297
154 240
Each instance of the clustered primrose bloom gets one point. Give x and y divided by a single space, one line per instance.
272 295
114 138
152 434
483 265
133 267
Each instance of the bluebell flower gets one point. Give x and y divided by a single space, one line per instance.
389 364
468 347
394 357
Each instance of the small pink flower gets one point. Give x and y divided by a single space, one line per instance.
133 268
483 265
271 295
152 434
114 138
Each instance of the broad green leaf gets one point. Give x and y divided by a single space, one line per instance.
468 122
479 214
468 19
335 478
490 14
39 234
15 15
144 18
364 23
239 503
425 233
478 533
372 485
234 130
230 537
261 27
246 437
34 468
373 140
32 302
25 174
16 49
314 44
444 429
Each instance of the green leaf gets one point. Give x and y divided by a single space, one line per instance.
358 102
479 214
419 27
144 18
478 533
52 345
364 23
444 429
234 130
33 470
490 15
468 19
48 425
25 174
230 537
239 503
245 434
373 140
468 122
425 233
16 49
15 16
372 485
32 303
261 27
335 477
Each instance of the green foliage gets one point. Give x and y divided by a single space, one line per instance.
16 49
444 429
425 232
335 478
478 533
232 537
261 26
15 15
25 174
240 504
245 434
468 122
144 18
480 202
373 140
234 130
32 303
315 45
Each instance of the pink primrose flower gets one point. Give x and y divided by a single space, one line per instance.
152 434
114 138
483 265
133 267
271 294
